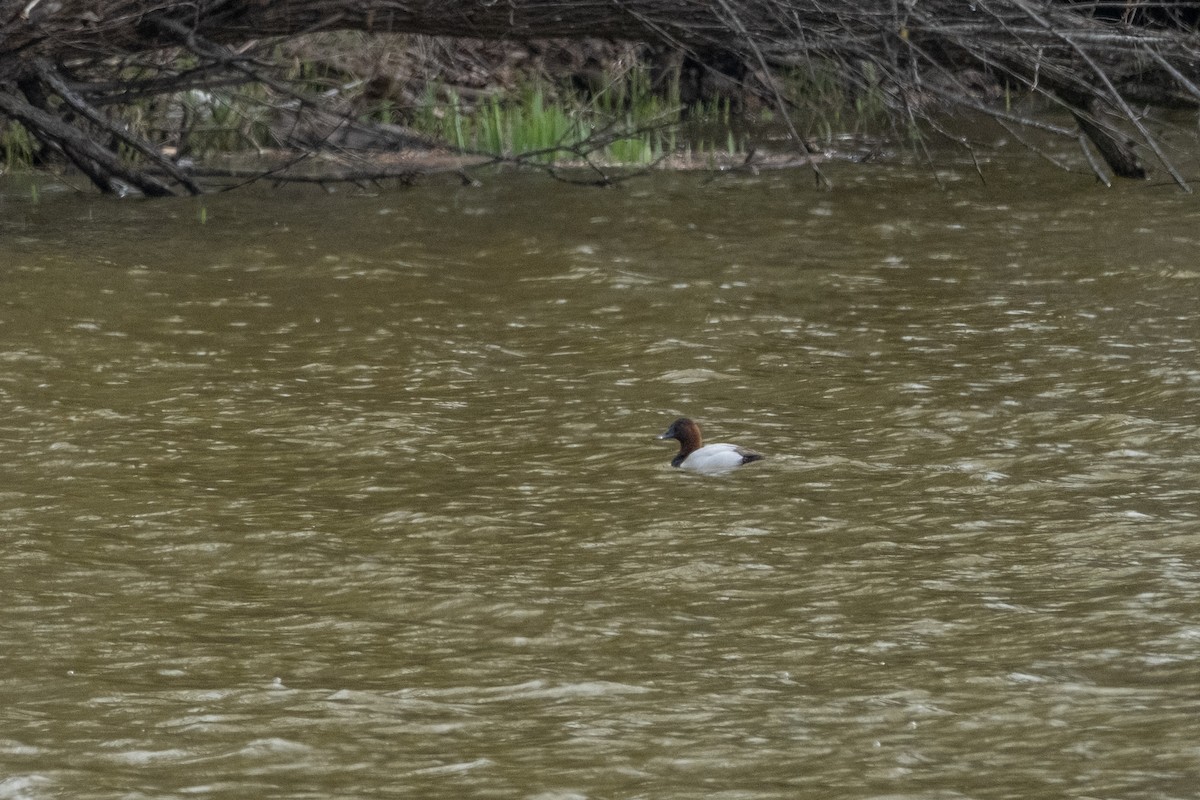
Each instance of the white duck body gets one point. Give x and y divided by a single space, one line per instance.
717 457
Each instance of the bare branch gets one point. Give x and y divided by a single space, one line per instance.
1095 60
55 82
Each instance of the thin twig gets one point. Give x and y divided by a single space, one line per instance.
1097 169
801 145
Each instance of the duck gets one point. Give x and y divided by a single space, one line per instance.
711 459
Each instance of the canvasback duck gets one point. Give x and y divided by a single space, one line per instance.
708 458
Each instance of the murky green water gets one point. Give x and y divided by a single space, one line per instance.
359 496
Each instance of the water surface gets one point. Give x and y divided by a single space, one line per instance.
358 496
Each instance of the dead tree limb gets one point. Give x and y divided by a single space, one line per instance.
102 166
73 100
1093 60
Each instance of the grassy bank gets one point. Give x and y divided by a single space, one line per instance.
623 113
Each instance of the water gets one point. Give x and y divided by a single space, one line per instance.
359 496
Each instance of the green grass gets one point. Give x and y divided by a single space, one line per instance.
631 123
626 122
552 130
527 125
18 147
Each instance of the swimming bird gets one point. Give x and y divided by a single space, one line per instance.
707 458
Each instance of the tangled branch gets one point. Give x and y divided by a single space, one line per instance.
63 64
